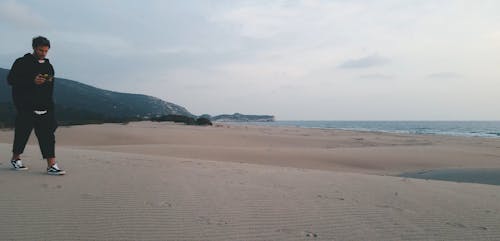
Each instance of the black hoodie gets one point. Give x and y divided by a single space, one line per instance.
26 94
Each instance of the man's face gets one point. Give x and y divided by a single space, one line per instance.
41 51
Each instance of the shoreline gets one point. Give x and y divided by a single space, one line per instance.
487 135
492 136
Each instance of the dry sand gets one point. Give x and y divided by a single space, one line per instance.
163 181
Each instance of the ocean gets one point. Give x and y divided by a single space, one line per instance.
452 128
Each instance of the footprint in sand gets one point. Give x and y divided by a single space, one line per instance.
165 204
89 196
284 230
207 220
149 204
221 222
456 224
46 186
389 206
310 234
323 196
157 205
204 219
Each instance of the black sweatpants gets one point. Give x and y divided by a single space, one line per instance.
45 125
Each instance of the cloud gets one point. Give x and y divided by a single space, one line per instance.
259 21
364 62
20 16
105 43
444 75
376 76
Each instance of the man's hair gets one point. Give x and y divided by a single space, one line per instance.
40 41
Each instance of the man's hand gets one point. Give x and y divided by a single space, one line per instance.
39 79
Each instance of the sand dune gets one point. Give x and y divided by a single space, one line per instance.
157 181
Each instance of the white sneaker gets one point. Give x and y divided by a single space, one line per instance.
18 165
54 170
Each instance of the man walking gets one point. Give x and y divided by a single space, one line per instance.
32 81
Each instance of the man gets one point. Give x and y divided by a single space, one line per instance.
32 81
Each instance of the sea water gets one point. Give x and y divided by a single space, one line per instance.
452 128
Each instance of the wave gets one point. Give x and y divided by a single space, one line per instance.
489 129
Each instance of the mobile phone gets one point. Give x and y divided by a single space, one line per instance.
47 77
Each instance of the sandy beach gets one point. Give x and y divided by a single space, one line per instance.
165 181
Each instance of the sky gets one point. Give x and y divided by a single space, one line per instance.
296 60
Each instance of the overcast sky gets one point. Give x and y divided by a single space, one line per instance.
297 60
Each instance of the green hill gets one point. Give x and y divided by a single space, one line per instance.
77 102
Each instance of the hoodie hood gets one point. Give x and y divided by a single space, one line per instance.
33 58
